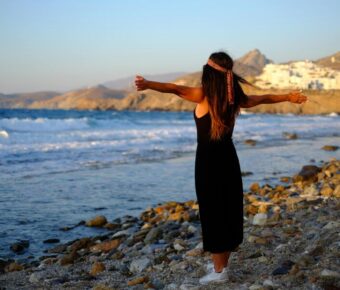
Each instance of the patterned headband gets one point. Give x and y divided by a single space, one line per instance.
229 74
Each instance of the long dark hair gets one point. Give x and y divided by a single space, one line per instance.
214 85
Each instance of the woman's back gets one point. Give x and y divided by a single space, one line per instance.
203 126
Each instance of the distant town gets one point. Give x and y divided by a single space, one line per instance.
299 75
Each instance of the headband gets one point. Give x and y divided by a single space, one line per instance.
229 75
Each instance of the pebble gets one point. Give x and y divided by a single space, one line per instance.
138 280
329 274
260 219
290 241
330 148
139 265
97 268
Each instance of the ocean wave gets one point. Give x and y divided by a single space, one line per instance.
4 134
43 124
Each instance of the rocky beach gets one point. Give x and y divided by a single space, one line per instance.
291 241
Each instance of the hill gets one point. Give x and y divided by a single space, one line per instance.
332 61
127 83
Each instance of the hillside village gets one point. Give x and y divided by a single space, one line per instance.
299 75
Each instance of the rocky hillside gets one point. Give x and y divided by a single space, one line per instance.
332 61
251 64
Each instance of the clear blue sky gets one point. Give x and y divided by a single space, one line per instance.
65 44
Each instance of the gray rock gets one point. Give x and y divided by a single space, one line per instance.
260 219
325 273
139 265
153 235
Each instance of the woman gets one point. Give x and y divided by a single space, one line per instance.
218 178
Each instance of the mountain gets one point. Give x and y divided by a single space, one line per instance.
128 82
98 97
332 61
24 100
251 64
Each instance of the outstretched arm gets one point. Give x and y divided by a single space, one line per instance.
254 100
193 94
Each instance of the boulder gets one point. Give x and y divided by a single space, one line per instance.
97 221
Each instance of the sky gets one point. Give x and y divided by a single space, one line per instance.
66 44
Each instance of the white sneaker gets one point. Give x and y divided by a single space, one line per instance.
214 276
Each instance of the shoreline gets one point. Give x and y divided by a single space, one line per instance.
287 230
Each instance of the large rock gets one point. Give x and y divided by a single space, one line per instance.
153 235
97 221
308 173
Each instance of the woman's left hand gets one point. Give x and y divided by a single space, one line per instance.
297 97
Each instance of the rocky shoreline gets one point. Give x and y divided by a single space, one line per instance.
291 241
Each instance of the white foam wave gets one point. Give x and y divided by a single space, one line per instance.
43 124
4 134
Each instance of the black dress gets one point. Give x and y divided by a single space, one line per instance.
219 189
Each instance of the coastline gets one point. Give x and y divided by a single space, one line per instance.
290 241
320 102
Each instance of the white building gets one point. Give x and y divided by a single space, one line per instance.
298 75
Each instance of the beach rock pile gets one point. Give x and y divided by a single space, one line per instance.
291 241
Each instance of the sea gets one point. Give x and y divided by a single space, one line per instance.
60 167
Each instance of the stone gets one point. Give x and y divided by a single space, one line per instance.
111 226
332 225
97 221
120 234
254 187
336 192
102 287
97 268
51 241
311 190
12 267
326 191
268 283
192 229
250 142
255 287
325 273
291 136
139 265
285 179
260 219
194 252
106 246
284 268
81 244
153 235
138 280
68 258
330 148
178 246
308 173
19 246
246 173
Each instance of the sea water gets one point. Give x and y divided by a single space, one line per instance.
60 167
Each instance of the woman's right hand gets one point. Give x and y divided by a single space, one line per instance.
297 97
141 83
